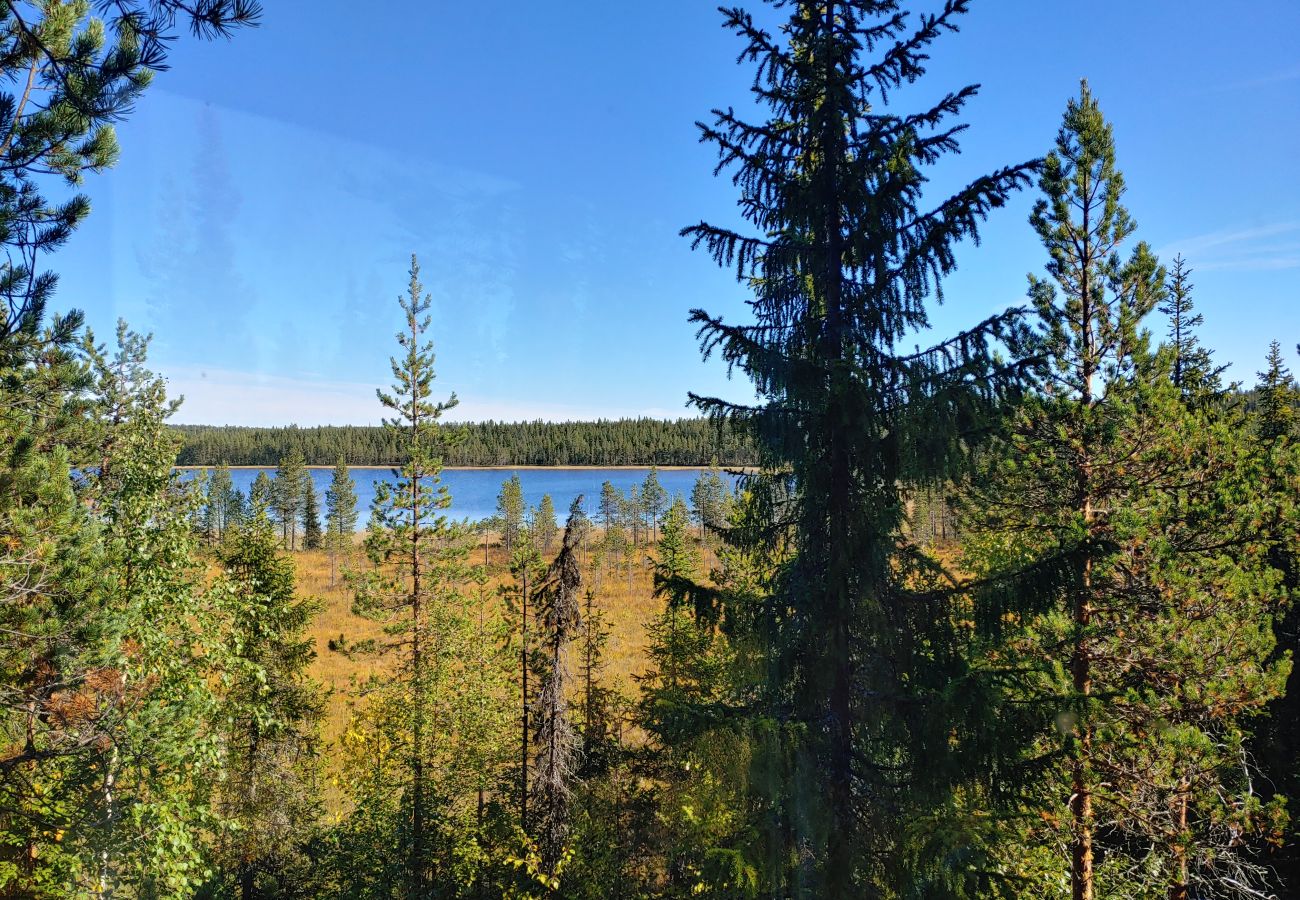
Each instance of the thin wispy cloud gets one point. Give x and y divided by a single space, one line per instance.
1263 248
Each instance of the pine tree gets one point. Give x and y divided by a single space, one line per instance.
80 74
653 500
543 527
844 259
311 530
1112 526
262 492
1277 737
419 567
510 506
709 498
216 506
340 515
634 513
611 504
287 496
272 709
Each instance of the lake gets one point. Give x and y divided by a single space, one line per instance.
474 491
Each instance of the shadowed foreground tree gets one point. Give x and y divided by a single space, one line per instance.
1277 738
845 256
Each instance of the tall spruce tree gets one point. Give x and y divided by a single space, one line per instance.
844 259
1194 373
1113 531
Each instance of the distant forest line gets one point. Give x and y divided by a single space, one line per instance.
617 442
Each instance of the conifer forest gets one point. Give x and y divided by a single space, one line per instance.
1004 612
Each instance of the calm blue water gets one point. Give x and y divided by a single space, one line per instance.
474 491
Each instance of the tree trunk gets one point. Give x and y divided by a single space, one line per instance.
523 706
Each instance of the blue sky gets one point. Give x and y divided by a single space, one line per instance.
541 158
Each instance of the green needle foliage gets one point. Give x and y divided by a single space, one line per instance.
845 255
543 528
272 712
511 509
288 495
69 75
430 729
559 619
1113 531
1277 740
1194 373
311 530
340 515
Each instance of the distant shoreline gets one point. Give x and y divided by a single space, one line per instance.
505 468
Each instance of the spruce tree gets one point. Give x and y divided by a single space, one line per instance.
845 253
598 713
340 515
1113 533
1277 737
1275 395
311 530
560 621
272 710
1194 373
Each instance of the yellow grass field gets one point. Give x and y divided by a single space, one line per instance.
624 595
